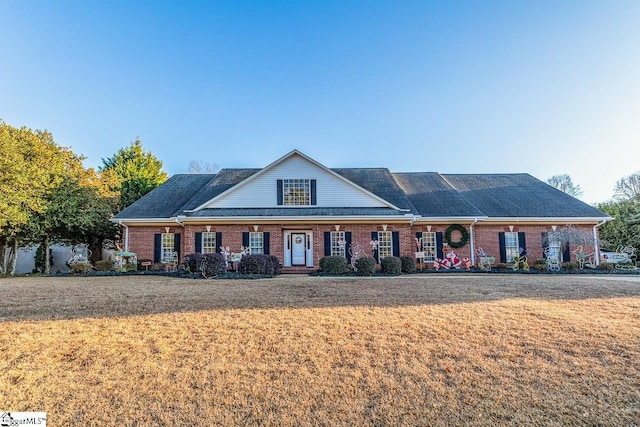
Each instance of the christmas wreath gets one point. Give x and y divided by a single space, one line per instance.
463 231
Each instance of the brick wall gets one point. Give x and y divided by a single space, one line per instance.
141 238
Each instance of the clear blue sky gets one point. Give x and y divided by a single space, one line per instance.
543 87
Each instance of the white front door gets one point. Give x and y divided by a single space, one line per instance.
298 248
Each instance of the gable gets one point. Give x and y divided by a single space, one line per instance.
260 190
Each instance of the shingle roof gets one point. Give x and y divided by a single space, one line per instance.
428 194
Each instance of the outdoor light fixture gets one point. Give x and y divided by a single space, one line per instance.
166 229
255 228
208 227
337 227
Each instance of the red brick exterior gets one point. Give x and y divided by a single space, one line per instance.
141 238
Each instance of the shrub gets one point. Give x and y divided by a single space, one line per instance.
259 264
157 266
190 263
501 266
606 266
408 264
540 264
81 267
366 266
333 265
391 265
104 265
570 266
214 264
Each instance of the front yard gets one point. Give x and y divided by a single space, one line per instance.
423 349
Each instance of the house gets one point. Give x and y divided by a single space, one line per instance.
300 210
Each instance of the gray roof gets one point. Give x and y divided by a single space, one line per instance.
428 194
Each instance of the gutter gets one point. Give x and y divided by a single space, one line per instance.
596 247
471 242
126 236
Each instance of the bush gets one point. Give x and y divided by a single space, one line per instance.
333 265
540 264
259 264
157 266
365 266
408 264
501 266
190 263
104 265
214 264
570 266
81 267
606 266
391 265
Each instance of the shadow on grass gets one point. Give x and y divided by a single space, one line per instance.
56 298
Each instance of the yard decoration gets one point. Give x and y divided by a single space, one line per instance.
80 254
627 258
583 259
450 260
552 259
467 263
520 261
484 261
463 240
355 250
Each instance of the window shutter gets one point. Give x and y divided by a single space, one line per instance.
157 247
245 239
265 243
522 243
279 193
545 243
198 243
374 236
566 255
503 248
439 245
327 243
347 240
395 241
176 244
218 242
314 200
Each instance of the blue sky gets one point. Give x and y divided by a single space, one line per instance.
543 87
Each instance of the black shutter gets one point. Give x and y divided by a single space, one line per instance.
439 245
566 255
157 247
245 239
198 243
279 193
395 241
218 242
545 244
347 241
522 243
374 236
327 243
418 241
314 199
503 247
176 244
265 243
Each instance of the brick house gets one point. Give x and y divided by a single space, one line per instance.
300 210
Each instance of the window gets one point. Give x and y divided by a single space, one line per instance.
208 243
167 251
338 243
429 245
296 192
256 243
512 249
553 248
385 245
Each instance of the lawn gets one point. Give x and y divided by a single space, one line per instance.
445 349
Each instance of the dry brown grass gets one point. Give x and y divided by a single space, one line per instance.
431 350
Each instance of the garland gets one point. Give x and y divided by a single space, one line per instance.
463 240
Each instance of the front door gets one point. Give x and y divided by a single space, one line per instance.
298 248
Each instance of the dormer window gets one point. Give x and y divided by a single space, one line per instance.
296 192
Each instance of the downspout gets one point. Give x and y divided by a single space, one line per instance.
471 240
596 248
126 236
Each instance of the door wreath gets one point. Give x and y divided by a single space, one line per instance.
463 231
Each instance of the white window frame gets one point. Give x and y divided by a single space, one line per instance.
429 246
338 249
256 242
511 245
385 244
167 250
209 242
296 192
554 248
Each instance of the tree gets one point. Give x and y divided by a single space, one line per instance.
624 230
565 184
136 172
627 188
197 166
